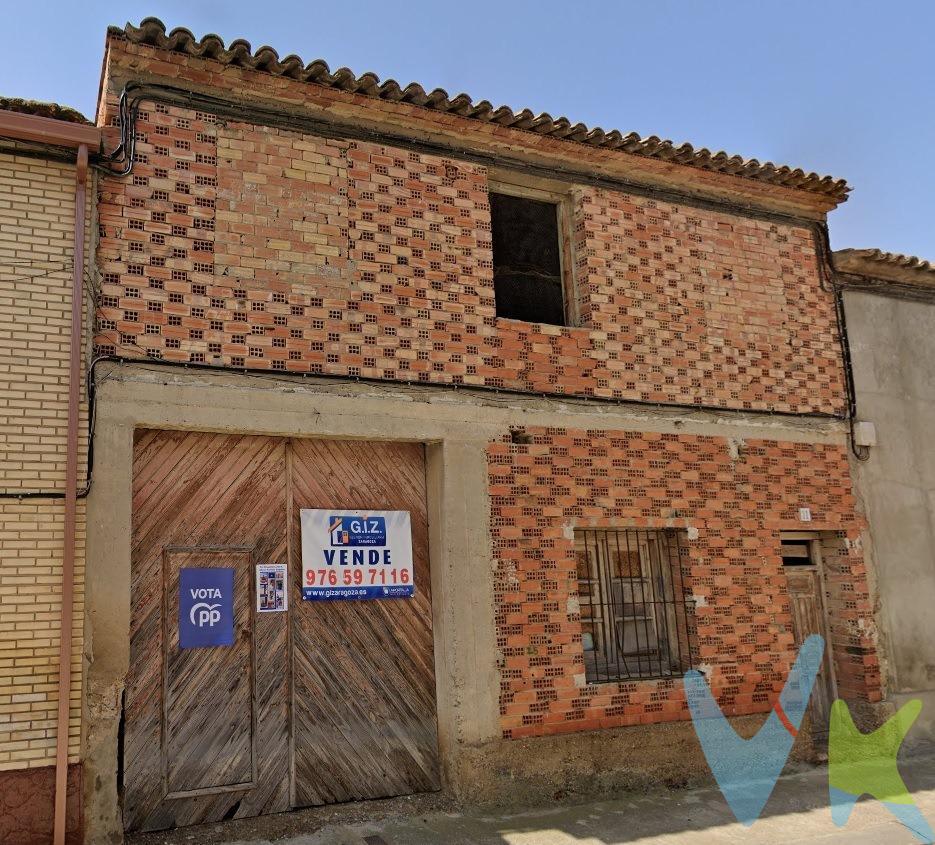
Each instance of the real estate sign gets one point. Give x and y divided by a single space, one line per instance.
349 554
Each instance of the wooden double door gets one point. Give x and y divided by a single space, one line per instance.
328 701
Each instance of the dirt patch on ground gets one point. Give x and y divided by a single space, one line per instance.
299 822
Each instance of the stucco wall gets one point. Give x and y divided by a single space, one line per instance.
893 349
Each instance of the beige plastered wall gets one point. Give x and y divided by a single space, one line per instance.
892 344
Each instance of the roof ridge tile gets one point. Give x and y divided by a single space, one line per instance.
152 32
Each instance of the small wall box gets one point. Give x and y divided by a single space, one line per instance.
865 434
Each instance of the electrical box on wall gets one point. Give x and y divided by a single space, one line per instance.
865 434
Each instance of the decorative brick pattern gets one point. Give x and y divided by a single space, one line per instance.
709 304
420 246
260 248
36 254
159 261
254 247
281 248
598 479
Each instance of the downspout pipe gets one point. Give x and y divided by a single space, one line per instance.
71 503
85 140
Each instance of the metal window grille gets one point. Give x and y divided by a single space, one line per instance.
637 619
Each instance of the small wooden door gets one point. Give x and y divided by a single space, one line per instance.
802 558
208 713
206 729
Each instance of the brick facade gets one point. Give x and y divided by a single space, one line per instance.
36 254
263 248
251 246
737 499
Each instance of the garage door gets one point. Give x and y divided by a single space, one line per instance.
328 701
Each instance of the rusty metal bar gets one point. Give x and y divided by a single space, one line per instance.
47 130
658 612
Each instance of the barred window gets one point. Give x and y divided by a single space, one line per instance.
637 616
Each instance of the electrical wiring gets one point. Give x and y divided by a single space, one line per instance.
120 161
828 283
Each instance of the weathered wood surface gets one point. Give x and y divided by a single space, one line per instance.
208 711
807 619
364 699
253 728
208 491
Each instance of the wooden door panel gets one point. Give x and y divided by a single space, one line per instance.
208 491
207 732
208 692
364 697
808 618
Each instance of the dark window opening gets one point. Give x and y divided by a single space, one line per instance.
527 264
797 552
637 615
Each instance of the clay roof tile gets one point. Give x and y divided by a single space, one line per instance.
152 32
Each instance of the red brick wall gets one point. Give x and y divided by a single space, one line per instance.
257 247
27 806
738 505
248 246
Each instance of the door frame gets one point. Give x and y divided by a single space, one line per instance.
814 540
456 441
250 551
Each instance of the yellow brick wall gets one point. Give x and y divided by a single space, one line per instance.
37 198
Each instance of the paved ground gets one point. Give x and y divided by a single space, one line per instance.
797 812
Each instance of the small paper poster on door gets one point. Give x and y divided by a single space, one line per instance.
271 588
356 555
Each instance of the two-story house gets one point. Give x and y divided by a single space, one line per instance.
589 389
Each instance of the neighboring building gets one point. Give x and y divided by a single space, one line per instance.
602 375
42 171
889 302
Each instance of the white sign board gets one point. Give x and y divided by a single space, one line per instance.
356 555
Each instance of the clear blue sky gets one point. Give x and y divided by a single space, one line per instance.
845 87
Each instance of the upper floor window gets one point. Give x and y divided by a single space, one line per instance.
530 264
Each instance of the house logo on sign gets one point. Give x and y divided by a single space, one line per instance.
357 530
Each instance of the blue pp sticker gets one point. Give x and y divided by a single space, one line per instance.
206 607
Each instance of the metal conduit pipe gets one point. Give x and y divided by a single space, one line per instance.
83 140
71 503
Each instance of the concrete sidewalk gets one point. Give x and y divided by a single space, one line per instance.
797 811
